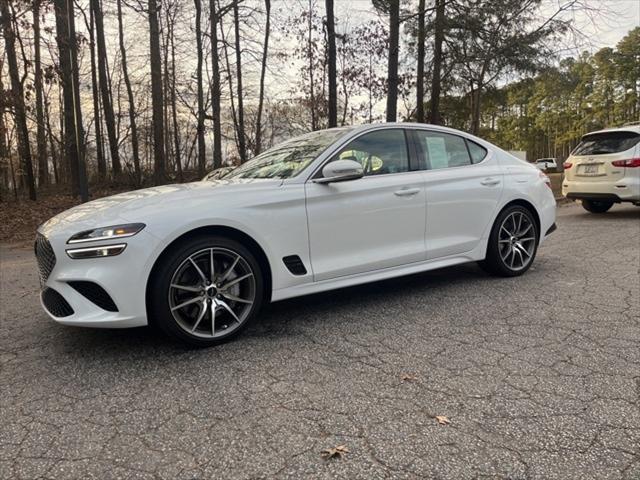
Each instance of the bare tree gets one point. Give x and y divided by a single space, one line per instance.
434 109
314 124
333 88
200 94
17 98
95 90
132 113
242 141
43 167
72 112
420 64
156 94
107 106
5 159
215 86
392 8
174 112
263 71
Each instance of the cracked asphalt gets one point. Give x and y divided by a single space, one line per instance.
539 376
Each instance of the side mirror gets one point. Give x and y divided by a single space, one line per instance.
340 171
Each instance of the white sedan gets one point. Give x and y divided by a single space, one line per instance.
322 211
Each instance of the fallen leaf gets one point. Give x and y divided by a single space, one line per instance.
407 377
336 452
442 420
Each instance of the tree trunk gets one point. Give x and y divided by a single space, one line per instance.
43 164
102 165
13 173
242 141
174 114
370 89
156 95
232 101
333 86
132 112
4 145
64 166
392 71
202 149
420 66
83 185
434 112
107 105
475 109
52 146
73 130
263 71
17 99
164 44
215 87
310 58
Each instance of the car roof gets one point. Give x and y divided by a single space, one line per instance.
373 126
625 128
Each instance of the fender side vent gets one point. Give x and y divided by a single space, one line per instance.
94 293
294 265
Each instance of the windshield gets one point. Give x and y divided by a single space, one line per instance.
606 142
288 159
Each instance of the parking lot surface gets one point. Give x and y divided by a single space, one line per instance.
539 377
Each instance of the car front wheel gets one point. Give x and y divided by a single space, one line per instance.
513 243
596 206
206 291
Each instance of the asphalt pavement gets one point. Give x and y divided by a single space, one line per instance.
538 377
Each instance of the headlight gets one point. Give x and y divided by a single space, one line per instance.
96 252
107 233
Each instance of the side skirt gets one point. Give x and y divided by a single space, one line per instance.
341 282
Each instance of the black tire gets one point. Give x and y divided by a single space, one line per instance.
160 290
494 262
597 206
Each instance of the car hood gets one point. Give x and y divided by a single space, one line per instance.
138 205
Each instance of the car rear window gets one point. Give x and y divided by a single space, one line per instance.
606 142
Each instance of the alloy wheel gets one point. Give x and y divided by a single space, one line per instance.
212 292
517 240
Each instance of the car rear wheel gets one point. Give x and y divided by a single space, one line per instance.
596 206
206 291
513 243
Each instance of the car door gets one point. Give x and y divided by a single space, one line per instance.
463 184
371 223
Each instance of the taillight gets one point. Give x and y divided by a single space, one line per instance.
567 165
545 178
632 163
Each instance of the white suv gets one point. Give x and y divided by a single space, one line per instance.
604 169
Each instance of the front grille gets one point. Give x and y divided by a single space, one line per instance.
55 303
95 293
45 257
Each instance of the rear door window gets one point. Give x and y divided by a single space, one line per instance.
606 142
443 150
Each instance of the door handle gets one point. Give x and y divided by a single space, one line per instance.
406 192
490 182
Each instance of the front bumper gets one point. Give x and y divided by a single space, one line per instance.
123 278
